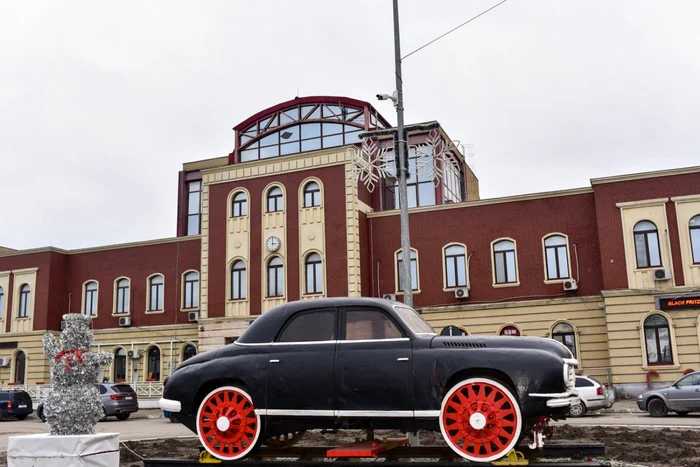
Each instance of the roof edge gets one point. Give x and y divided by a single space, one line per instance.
643 175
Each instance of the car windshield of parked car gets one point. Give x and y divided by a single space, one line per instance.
369 324
690 380
309 327
414 321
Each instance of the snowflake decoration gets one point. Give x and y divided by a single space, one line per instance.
434 156
371 163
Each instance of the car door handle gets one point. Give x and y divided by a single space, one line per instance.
402 359
274 360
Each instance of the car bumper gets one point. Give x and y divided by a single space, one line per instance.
642 404
170 405
596 404
558 399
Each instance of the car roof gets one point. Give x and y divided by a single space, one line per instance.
266 326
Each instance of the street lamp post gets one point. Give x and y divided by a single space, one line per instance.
401 148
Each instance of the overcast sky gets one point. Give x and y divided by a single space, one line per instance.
101 102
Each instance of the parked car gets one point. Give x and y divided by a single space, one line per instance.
681 397
593 396
16 404
118 399
359 363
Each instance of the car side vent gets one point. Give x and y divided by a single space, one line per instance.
474 345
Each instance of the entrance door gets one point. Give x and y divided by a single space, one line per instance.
374 371
300 368
20 367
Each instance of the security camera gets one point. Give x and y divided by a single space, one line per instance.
383 97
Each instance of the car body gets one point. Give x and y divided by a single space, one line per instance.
681 397
358 363
118 399
593 396
16 404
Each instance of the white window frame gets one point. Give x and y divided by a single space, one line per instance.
445 285
148 294
568 258
399 291
493 264
183 291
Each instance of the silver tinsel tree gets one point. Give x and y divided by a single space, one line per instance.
73 406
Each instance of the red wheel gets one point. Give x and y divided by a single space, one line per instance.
480 419
227 424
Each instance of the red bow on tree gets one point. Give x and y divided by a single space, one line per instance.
77 353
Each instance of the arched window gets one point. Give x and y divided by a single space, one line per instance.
302 128
191 284
556 257
564 333
156 293
314 274
238 281
119 365
455 266
24 300
90 299
239 205
312 195
188 352
122 296
2 302
275 277
694 227
646 245
20 367
657 338
275 199
153 364
413 268
504 262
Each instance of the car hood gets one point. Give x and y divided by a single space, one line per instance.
502 342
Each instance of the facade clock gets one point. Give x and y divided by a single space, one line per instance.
273 243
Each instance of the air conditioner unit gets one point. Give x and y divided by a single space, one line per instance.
133 354
193 316
462 292
125 321
389 296
4 362
63 325
662 274
571 284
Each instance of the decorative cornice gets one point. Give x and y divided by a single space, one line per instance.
685 199
643 175
117 246
485 202
643 202
18 272
205 164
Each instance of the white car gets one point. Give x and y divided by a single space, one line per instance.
592 394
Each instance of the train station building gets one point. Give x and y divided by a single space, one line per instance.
304 207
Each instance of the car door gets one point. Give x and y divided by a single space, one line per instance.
300 367
585 389
685 394
374 368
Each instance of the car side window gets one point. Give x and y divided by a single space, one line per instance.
4 396
369 324
103 390
583 383
309 327
690 380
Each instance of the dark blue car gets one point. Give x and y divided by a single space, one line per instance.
15 404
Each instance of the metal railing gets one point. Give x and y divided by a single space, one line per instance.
144 389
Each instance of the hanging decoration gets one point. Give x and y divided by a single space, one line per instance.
72 406
431 159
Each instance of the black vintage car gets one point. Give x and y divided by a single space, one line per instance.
356 363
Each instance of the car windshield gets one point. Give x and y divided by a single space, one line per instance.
414 321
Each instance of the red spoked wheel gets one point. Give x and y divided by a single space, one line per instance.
227 424
480 419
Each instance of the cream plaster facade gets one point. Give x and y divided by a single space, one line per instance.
653 210
5 286
22 277
312 236
237 248
687 207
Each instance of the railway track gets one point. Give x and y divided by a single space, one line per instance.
305 456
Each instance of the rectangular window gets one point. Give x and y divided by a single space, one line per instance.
505 266
156 299
414 273
192 291
455 266
695 244
123 299
194 207
557 262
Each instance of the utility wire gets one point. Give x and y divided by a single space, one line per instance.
454 29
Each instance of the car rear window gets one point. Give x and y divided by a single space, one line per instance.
21 396
122 388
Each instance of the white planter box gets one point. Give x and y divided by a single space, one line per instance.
44 450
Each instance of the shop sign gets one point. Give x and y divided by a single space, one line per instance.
510 331
681 303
